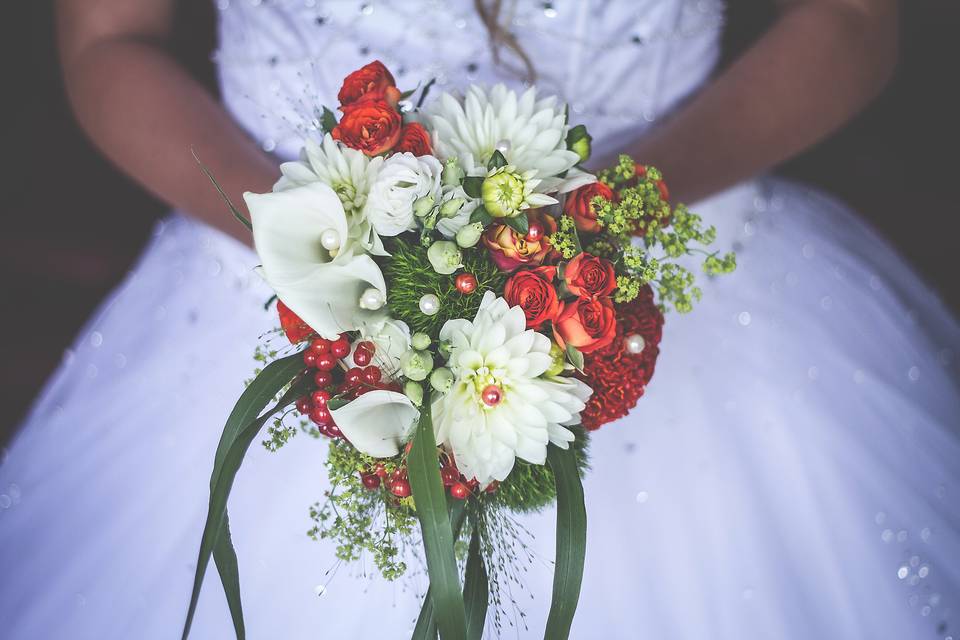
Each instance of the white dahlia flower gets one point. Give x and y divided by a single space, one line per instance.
502 404
348 172
530 133
403 179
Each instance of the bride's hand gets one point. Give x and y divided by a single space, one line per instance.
146 113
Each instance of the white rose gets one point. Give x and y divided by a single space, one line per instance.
402 180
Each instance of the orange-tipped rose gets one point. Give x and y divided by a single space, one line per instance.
579 205
371 126
586 324
414 139
588 276
369 81
509 249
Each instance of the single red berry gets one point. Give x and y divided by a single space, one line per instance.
320 415
380 470
400 473
459 491
400 488
304 405
466 283
370 481
326 362
362 357
340 347
371 375
322 379
309 358
320 397
353 376
333 430
534 232
320 346
449 476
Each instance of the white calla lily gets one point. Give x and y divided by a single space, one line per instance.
322 287
377 423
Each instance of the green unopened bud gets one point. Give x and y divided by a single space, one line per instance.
469 235
441 379
557 360
502 193
423 206
579 141
449 208
452 173
414 391
445 257
420 341
416 365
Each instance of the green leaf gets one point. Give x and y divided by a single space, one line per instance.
496 160
225 557
481 215
518 223
571 542
575 357
426 627
475 587
223 194
430 498
472 186
426 90
241 428
328 120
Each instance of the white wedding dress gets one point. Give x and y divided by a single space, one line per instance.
793 471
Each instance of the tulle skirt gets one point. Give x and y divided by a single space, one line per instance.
792 471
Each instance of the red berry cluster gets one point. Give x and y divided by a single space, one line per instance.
618 378
398 483
326 356
395 481
456 483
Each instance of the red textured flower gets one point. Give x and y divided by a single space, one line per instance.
589 276
415 139
579 205
373 80
295 329
586 324
533 291
372 126
618 378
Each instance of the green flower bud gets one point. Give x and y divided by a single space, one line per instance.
469 235
452 173
414 391
441 379
445 257
579 141
423 206
502 194
558 360
416 365
420 341
449 208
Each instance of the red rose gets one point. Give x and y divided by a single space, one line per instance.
533 291
370 81
586 324
589 276
579 205
414 139
372 126
295 329
509 249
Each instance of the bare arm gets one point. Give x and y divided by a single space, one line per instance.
145 112
820 63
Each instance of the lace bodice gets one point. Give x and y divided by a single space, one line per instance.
619 64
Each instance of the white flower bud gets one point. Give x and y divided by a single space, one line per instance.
413 391
416 365
420 341
449 208
469 235
441 379
445 257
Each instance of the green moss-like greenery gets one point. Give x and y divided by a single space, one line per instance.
531 487
410 276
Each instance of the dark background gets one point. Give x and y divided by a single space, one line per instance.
72 224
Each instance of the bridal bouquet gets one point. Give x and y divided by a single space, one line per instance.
461 304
